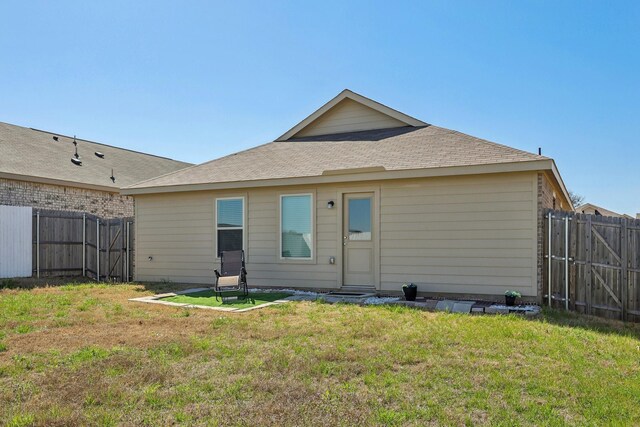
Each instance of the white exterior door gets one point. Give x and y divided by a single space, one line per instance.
358 236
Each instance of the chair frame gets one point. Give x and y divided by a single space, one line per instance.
242 285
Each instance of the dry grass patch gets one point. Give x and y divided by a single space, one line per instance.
82 354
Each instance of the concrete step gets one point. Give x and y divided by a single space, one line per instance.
358 288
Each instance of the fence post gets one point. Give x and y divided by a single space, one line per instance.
84 245
127 253
573 268
549 256
588 263
98 249
624 245
566 262
107 237
38 244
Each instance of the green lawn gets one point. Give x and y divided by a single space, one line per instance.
208 299
84 355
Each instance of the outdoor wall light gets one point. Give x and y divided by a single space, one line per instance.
330 204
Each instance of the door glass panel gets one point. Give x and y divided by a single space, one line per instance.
360 219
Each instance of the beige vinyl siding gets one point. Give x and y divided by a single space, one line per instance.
177 230
349 116
467 234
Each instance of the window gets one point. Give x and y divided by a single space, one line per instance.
296 226
229 224
360 219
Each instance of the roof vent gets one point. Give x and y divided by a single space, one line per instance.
55 138
76 145
113 178
99 154
76 162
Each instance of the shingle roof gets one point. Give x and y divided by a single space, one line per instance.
395 149
33 153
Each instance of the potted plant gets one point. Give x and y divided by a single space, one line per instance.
410 291
510 297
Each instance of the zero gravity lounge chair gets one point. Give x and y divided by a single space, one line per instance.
232 277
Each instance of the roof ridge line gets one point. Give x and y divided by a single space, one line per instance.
486 141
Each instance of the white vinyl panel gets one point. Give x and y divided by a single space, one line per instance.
15 241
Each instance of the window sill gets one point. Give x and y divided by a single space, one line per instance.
296 261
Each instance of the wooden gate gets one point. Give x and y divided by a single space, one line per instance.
79 244
592 264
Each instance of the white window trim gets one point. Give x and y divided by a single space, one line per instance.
312 222
243 228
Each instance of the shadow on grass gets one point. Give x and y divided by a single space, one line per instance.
48 282
43 282
590 323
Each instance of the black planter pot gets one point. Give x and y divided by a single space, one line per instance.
410 293
510 301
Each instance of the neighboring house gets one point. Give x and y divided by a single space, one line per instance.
591 209
37 170
356 196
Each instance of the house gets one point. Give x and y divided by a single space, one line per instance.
48 171
591 209
356 196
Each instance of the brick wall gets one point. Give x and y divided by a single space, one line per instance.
47 196
545 201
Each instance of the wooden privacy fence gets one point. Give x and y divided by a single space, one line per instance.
592 264
80 244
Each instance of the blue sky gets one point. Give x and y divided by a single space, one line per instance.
198 80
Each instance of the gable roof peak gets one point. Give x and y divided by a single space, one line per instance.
348 112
